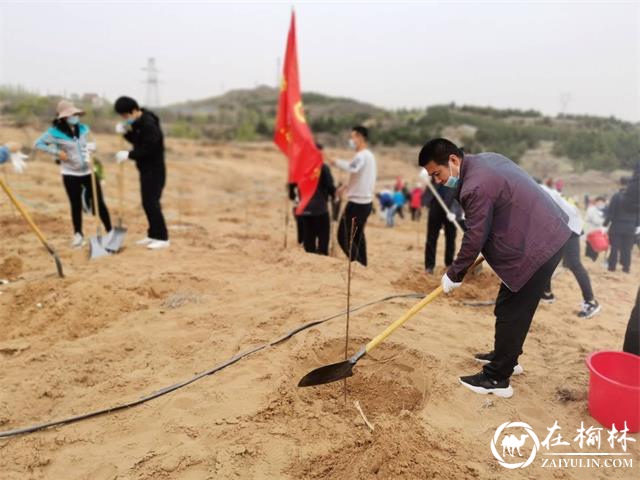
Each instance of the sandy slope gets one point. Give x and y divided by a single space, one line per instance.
125 326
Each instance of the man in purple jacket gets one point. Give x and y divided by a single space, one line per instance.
520 231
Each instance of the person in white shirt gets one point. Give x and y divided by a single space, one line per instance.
594 219
359 190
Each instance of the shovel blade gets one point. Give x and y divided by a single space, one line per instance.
96 250
327 374
117 239
58 265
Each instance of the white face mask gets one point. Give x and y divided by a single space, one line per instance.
73 120
352 144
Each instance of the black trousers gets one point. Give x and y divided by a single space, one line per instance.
151 186
299 227
359 246
436 219
621 244
415 213
315 232
73 186
632 335
571 260
514 312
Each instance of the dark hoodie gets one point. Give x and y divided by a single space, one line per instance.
148 142
631 197
318 203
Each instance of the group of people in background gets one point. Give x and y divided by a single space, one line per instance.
314 224
68 141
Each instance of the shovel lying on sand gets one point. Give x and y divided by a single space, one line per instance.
119 232
96 250
33 226
340 370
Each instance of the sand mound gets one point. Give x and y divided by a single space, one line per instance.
388 380
11 267
397 450
477 286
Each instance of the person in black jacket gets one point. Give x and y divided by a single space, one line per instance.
437 219
632 335
631 199
315 218
622 218
142 129
631 203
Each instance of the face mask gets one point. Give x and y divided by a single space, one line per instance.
129 121
73 120
352 144
452 182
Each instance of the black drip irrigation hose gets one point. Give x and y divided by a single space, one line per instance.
184 383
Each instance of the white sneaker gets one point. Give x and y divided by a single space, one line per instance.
145 241
158 244
78 241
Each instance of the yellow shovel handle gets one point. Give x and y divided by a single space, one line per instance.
409 314
24 213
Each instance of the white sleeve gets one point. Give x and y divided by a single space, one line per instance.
353 166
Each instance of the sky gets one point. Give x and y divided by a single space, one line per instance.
572 57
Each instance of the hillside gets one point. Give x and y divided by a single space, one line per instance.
248 115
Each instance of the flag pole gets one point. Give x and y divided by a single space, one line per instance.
286 218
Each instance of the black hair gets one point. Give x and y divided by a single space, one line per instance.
125 105
319 146
600 199
624 181
364 131
61 124
438 150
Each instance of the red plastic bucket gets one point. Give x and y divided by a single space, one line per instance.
599 241
614 389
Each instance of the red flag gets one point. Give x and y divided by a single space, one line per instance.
292 133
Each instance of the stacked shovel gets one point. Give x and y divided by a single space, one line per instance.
100 246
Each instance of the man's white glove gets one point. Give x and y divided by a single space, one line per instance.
423 175
448 285
638 230
121 128
18 160
121 156
451 217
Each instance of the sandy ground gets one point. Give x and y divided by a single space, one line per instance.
121 327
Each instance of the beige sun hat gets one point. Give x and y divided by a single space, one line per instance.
66 109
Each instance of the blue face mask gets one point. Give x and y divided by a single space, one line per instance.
73 120
129 121
452 182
